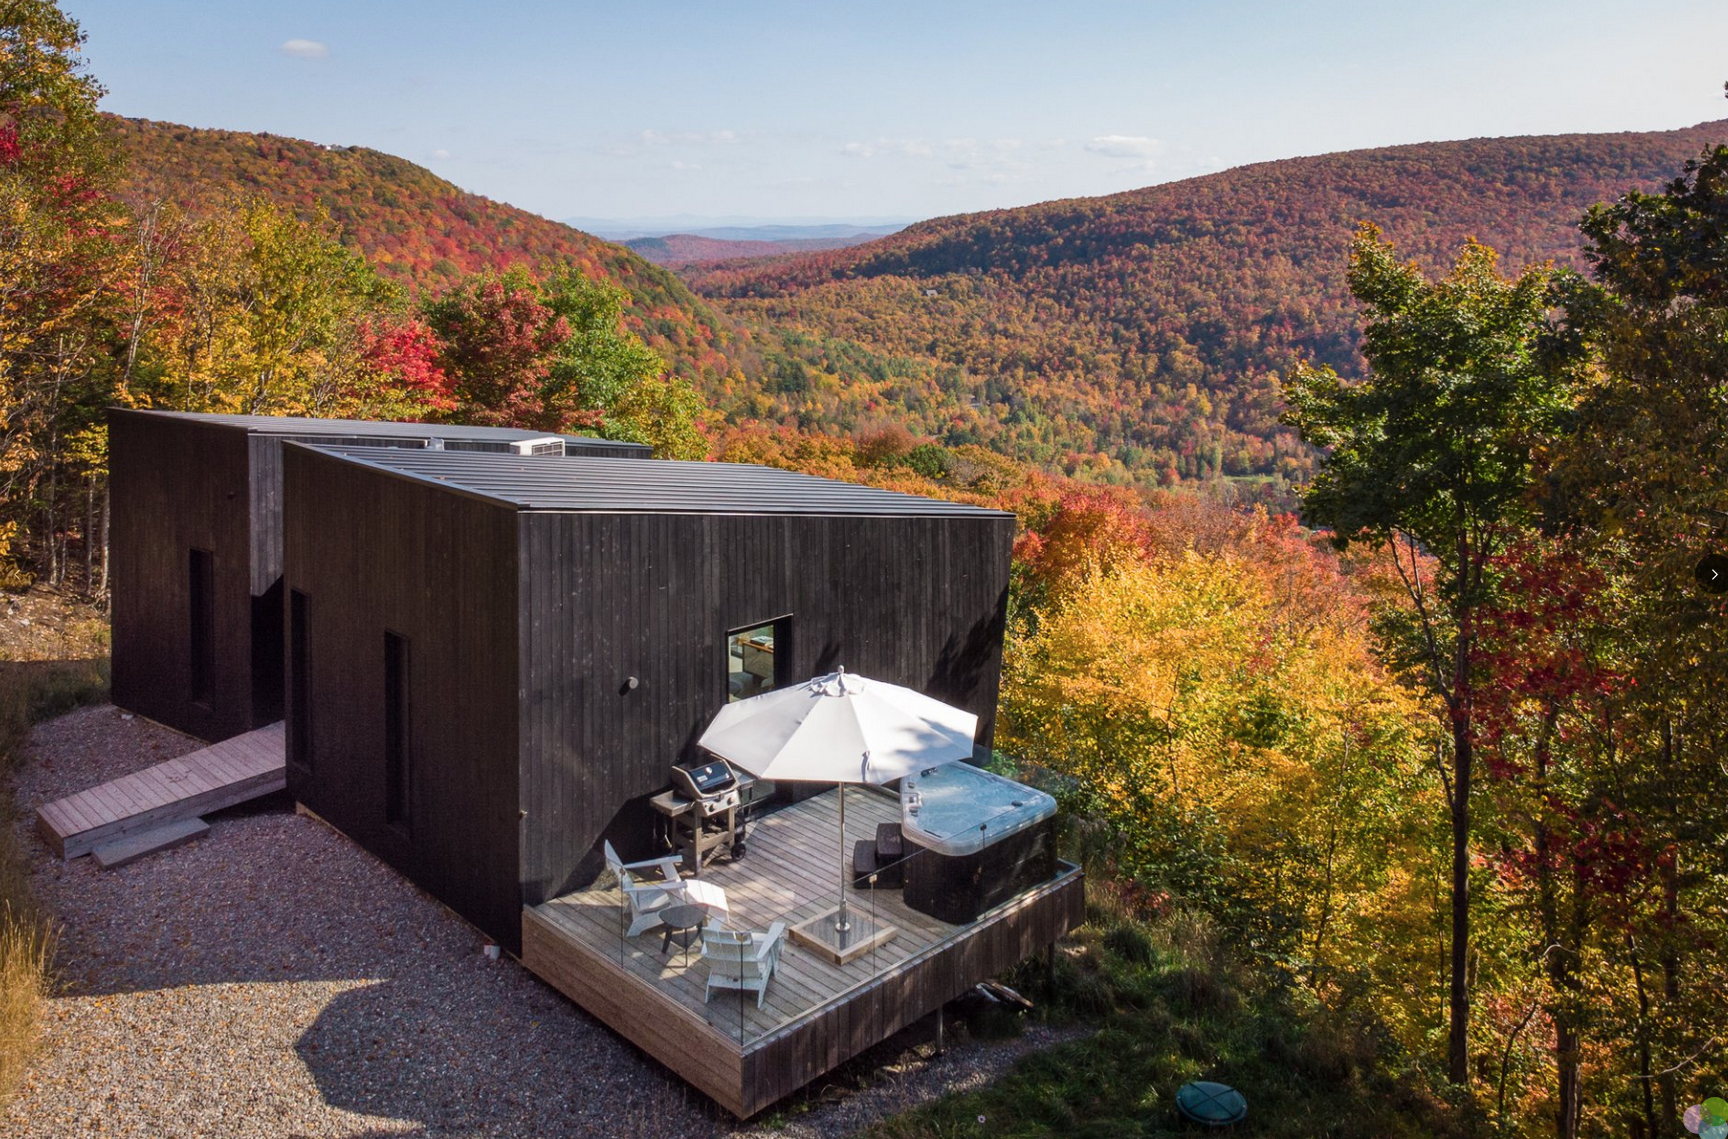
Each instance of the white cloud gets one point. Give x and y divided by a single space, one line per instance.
904 147
1125 146
667 138
305 49
968 161
680 164
440 153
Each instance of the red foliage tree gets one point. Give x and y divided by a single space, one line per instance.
1546 710
1088 527
404 356
497 342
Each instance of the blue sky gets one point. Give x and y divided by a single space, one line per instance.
838 109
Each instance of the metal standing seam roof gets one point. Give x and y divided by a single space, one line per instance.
370 428
664 486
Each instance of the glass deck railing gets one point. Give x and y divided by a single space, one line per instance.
761 943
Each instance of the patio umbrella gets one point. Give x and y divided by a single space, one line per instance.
840 728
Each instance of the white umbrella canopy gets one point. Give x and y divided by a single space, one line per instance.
840 728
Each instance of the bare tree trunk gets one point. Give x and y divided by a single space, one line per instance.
1559 955
1563 968
90 536
49 516
1567 1110
1644 1078
1505 1067
1670 971
1450 676
1458 1038
102 593
1325 918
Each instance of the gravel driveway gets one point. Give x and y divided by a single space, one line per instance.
273 979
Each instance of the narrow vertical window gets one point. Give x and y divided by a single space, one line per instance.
398 773
299 681
201 613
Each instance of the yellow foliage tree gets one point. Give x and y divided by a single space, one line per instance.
270 311
1236 757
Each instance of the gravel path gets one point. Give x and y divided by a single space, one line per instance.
273 979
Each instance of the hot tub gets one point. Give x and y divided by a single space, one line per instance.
974 840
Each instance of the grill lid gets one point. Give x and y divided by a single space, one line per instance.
700 781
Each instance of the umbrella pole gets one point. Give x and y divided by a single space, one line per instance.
840 922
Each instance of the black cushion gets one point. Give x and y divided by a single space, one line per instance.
863 862
890 842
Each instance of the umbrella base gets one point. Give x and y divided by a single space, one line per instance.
839 947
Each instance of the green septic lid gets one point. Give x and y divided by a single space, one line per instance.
1216 1105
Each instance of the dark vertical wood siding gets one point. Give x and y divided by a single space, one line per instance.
179 485
915 601
373 552
264 461
268 599
267 498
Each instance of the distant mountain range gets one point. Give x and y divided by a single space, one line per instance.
738 228
1135 337
1143 335
690 239
676 249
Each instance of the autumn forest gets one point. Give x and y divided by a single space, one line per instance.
1354 619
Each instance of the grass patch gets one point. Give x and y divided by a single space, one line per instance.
30 691
26 953
1172 1004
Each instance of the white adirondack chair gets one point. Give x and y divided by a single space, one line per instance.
738 959
645 897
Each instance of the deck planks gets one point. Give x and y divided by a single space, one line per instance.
822 1013
783 878
209 779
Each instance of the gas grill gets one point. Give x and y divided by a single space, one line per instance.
713 786
704 811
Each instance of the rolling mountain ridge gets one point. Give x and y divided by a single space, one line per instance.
416 227
1142 335
1138 337
690 248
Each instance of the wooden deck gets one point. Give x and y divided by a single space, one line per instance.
206 780
816 1015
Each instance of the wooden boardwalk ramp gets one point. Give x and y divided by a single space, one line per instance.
124 810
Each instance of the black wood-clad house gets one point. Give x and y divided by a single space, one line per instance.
196 550
494 660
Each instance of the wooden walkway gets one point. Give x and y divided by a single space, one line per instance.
206 780
816 1014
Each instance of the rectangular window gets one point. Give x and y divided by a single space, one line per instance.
299 681
752 664
201 612
398 767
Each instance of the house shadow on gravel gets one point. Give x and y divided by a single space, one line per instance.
491 1060
529 1064
266 896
